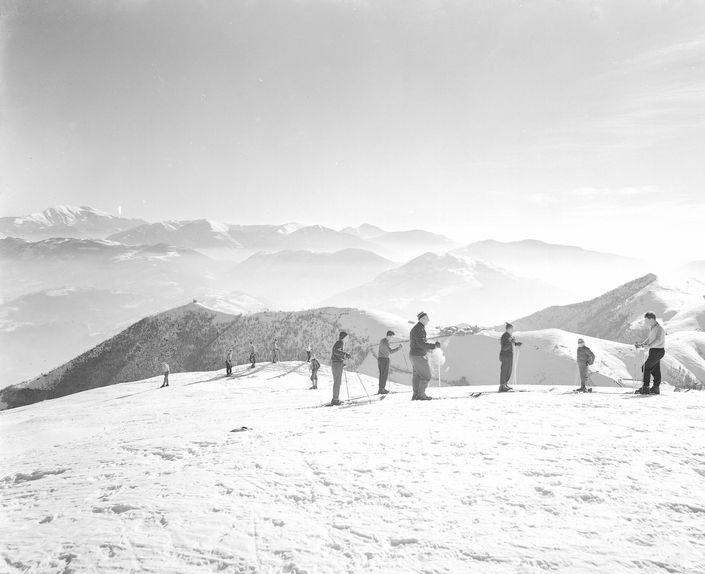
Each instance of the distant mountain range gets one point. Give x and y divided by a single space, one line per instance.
452 290
584 273
66 221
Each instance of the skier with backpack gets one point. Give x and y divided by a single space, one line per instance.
314 366
418 347
585 358
506 357
656 343
383 354
338 356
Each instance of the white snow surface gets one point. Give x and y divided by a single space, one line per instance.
132 478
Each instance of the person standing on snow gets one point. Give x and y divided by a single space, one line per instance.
165 370
229 363
585 358
418 347
308 353
275 351
383 353
656 343
314 366
338 356
506 357
253 355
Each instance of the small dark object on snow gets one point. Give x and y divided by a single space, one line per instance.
241 429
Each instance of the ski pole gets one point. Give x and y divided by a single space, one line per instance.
347 389
364 388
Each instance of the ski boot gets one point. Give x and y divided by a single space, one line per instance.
643 390
581 390
504 389
336 402
655 390
313 388
425 398
383 392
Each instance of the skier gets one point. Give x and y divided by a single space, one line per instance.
315 365
308 353
656 343
385 350
253 355
506 357
229 363
165 370
337 358
585 358
418 347
275 351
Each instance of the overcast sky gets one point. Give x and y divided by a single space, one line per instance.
573 121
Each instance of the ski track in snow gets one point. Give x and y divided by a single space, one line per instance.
131 478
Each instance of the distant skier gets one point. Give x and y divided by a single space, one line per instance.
229 363
338 356
585 358
314 366
275 351
506 357
383 353
165 370
656 343
418 347
253 355
308 353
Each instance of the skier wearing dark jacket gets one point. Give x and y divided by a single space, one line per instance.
506 357
383 353
585 358
337 359
418 347
314 366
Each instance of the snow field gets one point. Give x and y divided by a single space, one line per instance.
132 478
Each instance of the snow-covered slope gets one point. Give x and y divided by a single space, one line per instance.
585 273
131 478
196 337
66 221
618 314
452 290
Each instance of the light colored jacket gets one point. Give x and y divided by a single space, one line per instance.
385 349
165 367
657 337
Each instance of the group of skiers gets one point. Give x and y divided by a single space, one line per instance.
421 371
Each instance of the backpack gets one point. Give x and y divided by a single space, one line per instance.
315 365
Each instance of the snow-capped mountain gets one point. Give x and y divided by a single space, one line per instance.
196 338
617 315
585 273
66 221
300 279
451 289
413 242
130 477
194 234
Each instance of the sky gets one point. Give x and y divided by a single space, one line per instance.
571 121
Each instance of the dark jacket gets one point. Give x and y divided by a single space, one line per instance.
506 345
585 356
418 346
339 355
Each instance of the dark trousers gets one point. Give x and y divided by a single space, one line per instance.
228 368
421 375
652 367
166 379
314 378
337 369
252 360
383 364
308 356
505 371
